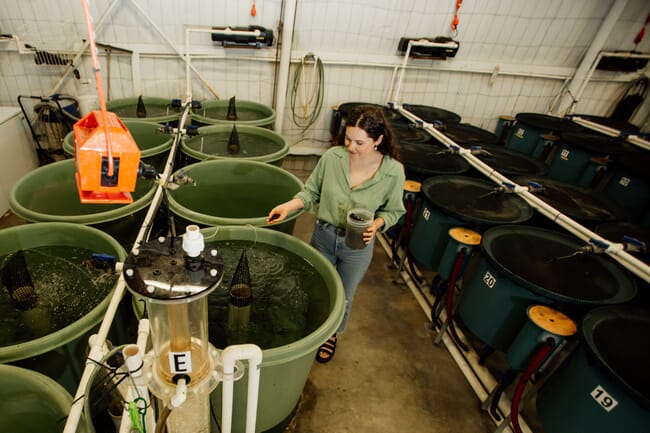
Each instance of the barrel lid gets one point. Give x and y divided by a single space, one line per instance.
552 320
618 337
512 163
544 261
465 236
433 114
347 107
594 142
412 186
582 204
615 231
611 123
475 200
547 123
429 160
405 132
466 134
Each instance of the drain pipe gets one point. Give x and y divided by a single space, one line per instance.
285 60
98 342
230 354
615 250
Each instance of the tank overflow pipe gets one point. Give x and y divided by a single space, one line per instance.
96 348
630 262
138 392
231 354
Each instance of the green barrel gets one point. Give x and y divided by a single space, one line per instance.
530 126
254 144
40 338
460 240
544 325
524 265
154 145
233 192
604 385
284 369
629 185
248 113
33 403
50 193
576 149
159 110
505 126
459 201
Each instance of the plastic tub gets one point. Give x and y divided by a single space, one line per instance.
248 113
255 144
358 221
153 144
530 126
159 110
59 354
604 384
459 201
523 265
50 193
284 369
233 192
33 403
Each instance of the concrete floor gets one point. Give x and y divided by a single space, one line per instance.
386 375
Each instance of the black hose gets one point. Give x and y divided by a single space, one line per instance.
162 419
460 257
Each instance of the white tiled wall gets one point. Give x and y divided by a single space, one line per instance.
534 45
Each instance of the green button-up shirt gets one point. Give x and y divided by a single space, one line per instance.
328 189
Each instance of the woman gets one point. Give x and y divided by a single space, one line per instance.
364 173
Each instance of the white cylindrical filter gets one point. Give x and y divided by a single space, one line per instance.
358 221
87 99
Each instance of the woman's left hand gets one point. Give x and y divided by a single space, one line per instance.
370 232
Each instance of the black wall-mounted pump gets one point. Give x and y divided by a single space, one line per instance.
439 47
245 37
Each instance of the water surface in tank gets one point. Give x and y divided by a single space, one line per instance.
290 297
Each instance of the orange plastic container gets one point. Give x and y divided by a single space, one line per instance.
95 142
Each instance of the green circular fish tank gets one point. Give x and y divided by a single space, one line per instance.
33 403
253 144
69 293
158 110
154 145
232 192
247 113
50 193
285 364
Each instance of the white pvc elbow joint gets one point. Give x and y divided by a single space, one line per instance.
193 242
181 394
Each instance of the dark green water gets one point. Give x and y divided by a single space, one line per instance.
249 145
67 287
290 298
153 110
233 200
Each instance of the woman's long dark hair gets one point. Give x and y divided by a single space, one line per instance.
372 120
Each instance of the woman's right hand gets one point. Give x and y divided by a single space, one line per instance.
281 211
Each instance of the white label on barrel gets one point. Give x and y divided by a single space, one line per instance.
520 132
625 181
426 214
489 280
605 400
565 154
180 362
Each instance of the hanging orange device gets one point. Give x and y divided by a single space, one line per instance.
107 158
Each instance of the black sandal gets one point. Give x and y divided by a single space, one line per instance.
326 350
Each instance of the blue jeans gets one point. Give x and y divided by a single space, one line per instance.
350 264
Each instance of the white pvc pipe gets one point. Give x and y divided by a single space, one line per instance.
230 354
96 348
285 60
